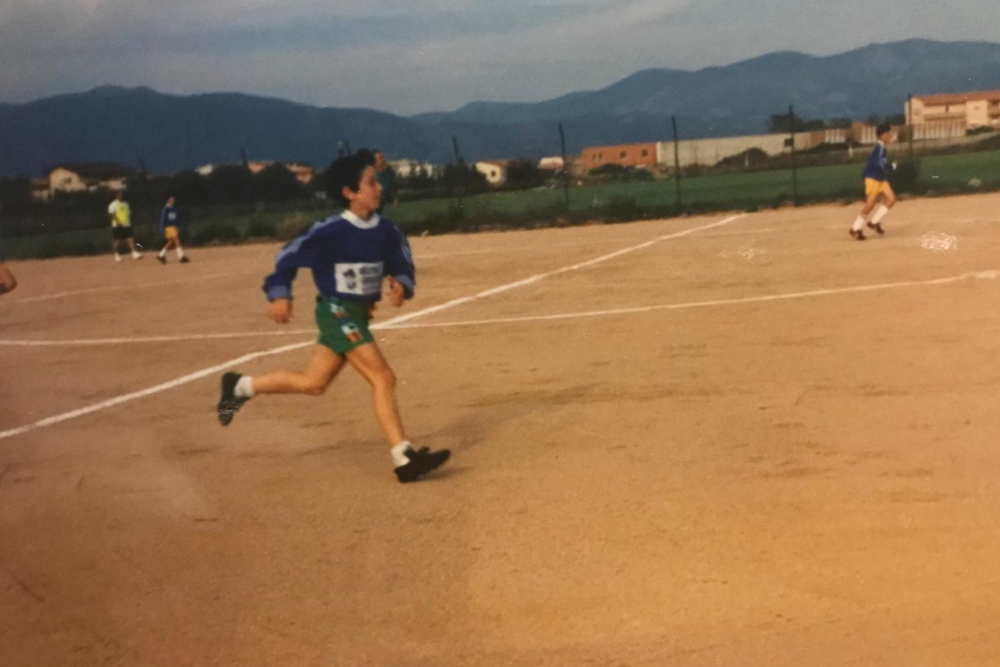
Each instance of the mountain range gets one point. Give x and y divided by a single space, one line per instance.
168 133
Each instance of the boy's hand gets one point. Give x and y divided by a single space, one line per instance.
395 292
280 310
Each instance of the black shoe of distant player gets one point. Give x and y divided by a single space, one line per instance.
421 461
859 235
161 259
185 260
877 226
230 403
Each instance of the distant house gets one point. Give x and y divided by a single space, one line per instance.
551 163
642 156
304 172
40 189
88 177
970 110
495 171
408 168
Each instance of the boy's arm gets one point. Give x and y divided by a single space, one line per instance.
886 165
299 253
400 269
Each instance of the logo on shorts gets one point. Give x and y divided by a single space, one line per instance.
351 332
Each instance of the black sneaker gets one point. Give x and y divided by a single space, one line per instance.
185 260
877 226
162 259
421 461
859 235
230 403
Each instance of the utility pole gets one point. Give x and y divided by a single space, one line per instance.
677 163
795 182
460 169
565 164
909 122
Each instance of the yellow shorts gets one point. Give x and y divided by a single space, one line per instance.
874 188
171 234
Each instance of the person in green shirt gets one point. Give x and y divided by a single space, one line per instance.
386 177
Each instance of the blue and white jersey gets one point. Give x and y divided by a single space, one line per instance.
348 256
170 217
878 166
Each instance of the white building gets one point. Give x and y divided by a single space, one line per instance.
495 171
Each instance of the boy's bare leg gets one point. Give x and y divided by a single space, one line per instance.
372 366
857 229
7 280
317 376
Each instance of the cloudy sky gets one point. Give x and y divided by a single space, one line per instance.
409 56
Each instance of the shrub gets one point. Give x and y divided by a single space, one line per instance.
258 229
292 225
216 231
904 177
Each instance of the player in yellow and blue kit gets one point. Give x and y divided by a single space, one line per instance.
120 214
350 255
876 176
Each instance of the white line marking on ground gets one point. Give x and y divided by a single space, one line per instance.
49 421
147 392
987 275
123 288
152 339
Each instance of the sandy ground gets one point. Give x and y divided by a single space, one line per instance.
678 470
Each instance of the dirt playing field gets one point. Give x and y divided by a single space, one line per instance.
724 441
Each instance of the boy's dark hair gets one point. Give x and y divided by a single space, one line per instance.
882 129
345 172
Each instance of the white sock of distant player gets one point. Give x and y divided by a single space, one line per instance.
118 257
180 252
135 254
163 253
859 224
244 387
880 213
399 453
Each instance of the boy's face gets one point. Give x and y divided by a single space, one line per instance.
369 194
885 137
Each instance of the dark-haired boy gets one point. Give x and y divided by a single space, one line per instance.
876 177
350 254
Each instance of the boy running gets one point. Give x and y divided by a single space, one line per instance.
349 255
170 222
876 176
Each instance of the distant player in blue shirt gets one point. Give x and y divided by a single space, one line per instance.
350 255
876 175
170 226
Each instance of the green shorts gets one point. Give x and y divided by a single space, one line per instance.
343 324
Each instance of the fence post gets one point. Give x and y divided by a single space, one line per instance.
677 163
562 146
460 166
795 180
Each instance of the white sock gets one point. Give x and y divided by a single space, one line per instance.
118 257
880 213
859 224
163 253
244 387
180 252
399 453
135 255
